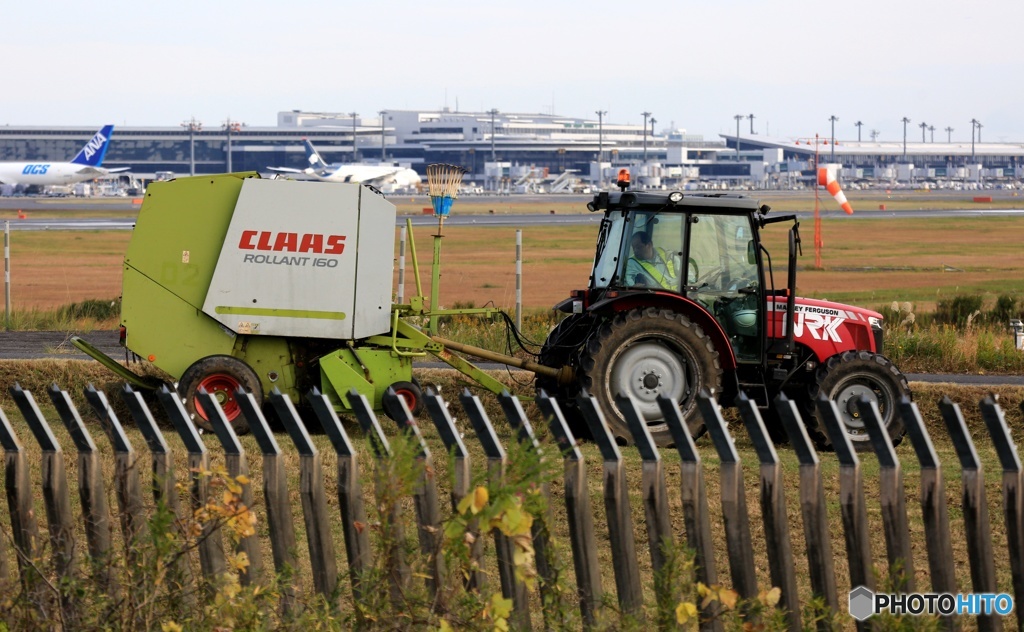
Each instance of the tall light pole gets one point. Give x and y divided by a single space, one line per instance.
230 127
905 121
751 117
600 138
833 119
193 126
383 156
931 131
355 149
979 131
923 127
645 115
974 123
949 134
493 112
653 121
874 135
738 117
858 125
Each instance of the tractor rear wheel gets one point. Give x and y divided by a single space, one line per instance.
220 375
647 353
559 350
843 379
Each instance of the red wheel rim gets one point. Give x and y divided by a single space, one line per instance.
409 397
222 387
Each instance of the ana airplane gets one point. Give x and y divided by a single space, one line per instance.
84 166
377 175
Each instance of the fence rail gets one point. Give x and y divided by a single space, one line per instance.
24 542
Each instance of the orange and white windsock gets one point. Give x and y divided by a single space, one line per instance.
827 179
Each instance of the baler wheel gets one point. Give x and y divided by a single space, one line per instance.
410 392
220 375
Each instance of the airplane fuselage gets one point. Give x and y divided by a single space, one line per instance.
46 173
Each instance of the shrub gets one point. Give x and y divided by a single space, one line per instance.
958 311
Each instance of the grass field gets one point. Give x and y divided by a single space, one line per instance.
867 262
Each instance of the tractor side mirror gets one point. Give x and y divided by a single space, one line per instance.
751 253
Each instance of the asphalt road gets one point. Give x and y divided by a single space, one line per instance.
31 345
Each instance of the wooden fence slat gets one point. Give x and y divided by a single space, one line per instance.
617 510
654 494
19 499
164 487
511 587
734 499
95 513
696 517
541 528
773 511
892 498
1013 487
425 499
934 511
399 574
211 545
851 501
163 482
350 492
579 514
461 480
275 497
314 499
813 508
975 508
55 483
126 470
237 465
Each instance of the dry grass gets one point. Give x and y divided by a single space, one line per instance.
866 261
73 375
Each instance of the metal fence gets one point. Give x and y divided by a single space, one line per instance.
695 530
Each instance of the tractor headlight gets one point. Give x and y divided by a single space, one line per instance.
876 323
675 197
878 333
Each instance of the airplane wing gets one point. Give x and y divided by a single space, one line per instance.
378 178
98 171
285 170
116 169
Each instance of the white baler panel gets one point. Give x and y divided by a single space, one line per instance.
375 270
289 260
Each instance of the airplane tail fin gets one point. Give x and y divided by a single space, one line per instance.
315 161
94 151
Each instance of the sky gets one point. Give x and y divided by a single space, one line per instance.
692 64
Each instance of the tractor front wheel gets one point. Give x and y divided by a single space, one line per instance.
646 354
220 375
844 379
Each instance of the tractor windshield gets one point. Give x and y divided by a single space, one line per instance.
650 251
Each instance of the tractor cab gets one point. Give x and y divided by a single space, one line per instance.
705 249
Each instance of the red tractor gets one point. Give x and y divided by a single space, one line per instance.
682 298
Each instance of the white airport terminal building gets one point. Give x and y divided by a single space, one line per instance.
526 152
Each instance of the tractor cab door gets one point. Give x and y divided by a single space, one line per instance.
724 276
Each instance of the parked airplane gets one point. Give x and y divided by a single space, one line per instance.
377 175
84 166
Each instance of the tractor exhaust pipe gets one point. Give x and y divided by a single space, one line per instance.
564 375
791 289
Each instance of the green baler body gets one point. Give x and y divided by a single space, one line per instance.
168 270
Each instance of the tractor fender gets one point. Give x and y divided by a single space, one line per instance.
681 305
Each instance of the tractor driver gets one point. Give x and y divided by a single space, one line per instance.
650 266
